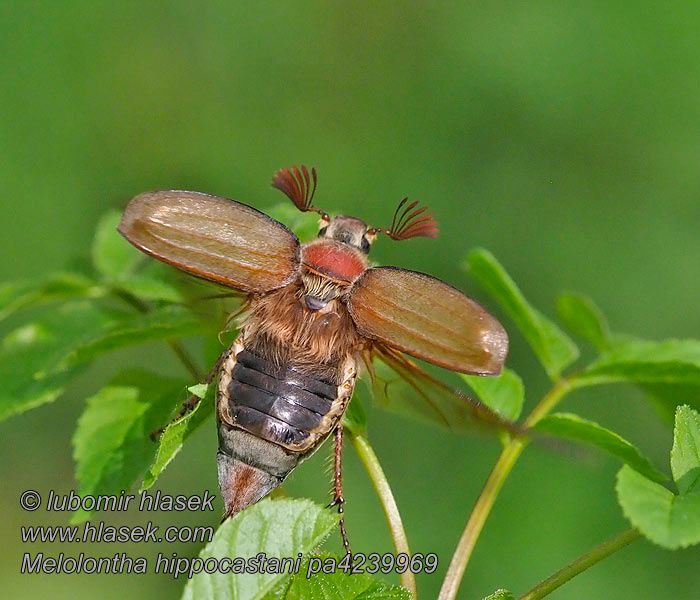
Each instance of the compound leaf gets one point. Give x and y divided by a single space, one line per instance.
500 595
114 258
504 394
685 454
111 445
175 434
29 355
669 362
169 322
666 519
552 346
314 584
61 286
573 427
278 528
583 318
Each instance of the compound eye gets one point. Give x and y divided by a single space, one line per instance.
322 231
365 244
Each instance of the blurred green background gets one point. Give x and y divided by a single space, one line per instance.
564 137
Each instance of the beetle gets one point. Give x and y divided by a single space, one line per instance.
314 314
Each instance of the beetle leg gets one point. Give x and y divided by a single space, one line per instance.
193 400
186 407
338 499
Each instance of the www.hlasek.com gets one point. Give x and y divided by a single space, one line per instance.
172 564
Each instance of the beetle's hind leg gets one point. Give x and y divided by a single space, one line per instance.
193 400
186 407
338 499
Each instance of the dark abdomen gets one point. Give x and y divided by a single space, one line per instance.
279 404
269 419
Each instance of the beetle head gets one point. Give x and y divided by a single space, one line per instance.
409 220
347 230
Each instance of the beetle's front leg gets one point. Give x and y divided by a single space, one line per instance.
338 499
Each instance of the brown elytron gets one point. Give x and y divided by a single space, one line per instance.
314 314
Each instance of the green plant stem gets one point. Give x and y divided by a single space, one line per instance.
186 360
381 484
176 346
580 564
550 400
489 493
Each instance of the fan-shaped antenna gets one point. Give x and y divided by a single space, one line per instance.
409 223
299 187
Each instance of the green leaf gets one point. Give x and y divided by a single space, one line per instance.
500 595
279 528
36 348
112 255
58 287
573 427
175 434
670 361
15 295
11 290
685 454
37 360
111 445
663 377
146 287
504 394
334 586
583 318
199 390
165 323
304 224
666 519
355 417
552 346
